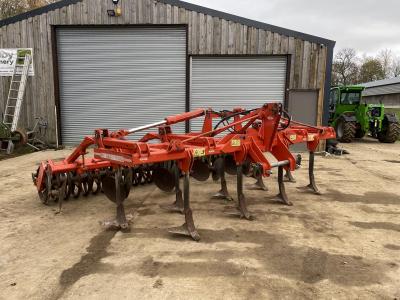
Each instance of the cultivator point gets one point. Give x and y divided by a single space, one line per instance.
236 146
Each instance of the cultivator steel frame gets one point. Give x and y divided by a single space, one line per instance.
236 145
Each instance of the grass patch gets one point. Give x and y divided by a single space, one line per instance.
18 151
393 110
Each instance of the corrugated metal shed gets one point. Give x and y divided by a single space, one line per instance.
382 87
209 32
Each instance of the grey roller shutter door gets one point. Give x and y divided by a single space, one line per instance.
119 78
228 82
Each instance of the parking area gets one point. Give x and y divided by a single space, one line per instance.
342 244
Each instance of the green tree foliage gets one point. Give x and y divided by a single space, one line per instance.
348 68
371 70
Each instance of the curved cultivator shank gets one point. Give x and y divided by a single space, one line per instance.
236 145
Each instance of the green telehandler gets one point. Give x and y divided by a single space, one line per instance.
353 119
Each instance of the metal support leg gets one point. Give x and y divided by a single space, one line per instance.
244 213
282 191
178 192
187 229
223 192
121 221
312 184
121 217
258 185
177 206
242 205
289 176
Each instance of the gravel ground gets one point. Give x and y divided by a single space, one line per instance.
342 244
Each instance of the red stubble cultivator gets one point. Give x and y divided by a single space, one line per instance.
236 145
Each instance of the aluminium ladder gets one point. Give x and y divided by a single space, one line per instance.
16 96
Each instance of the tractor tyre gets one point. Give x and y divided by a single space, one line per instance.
391 133
345 131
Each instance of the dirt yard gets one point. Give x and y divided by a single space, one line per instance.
344 244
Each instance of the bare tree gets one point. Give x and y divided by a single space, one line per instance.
32 4
396 67
385 56
348 68
9 8
345 67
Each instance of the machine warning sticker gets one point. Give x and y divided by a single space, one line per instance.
235 143
199 152
292 137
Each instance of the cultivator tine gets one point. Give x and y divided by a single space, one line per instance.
312 184
177 206
223 192
244 213
117 193
219 173
258 185
121 218
289 176
178 192
241 209
282 191
188 228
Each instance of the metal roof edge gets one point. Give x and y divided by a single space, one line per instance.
249 22
188 6
383 82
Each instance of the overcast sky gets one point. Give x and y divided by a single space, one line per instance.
366 25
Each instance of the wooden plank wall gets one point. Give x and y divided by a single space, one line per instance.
207 35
